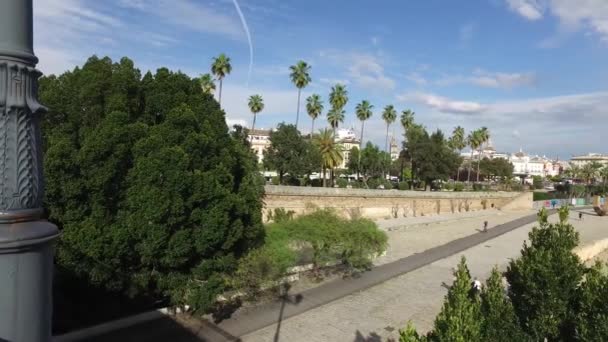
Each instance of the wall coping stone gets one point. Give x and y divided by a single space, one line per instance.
285 190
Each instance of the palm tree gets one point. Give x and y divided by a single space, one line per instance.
338 97
473 140
574 171
221 67
314 107
389 115
256 105
407 119
331 152
458 142
207 84
300 77
335 117
604 176
590 171
484 136
364 112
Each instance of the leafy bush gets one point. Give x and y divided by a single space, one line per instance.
275 180
361 239
280 215
341 182
541 196
537 182
477 187
458 186
404 185
334 239
316 183
264 266
516 186
448 186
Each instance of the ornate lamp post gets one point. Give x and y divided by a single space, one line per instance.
26 250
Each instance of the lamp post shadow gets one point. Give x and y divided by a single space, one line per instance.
285 299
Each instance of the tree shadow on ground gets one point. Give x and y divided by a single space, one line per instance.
372 337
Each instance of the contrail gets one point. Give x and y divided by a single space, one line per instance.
246 28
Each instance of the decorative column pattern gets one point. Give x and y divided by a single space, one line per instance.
20 158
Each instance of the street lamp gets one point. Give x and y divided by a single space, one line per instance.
26 239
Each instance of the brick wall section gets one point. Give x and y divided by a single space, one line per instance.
377 204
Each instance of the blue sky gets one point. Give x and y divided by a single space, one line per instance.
535 72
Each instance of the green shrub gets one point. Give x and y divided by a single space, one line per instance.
404 185
537 182
477 187
448 186
280 215
265 266
275 180
516 186
317 183
458 186
341 182
361 239
541 196
335 239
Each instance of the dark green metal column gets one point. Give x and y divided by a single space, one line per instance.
26 239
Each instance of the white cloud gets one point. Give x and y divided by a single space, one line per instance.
191 15
591 15
333 81
365 70
529 9
417 78
443 104
488 79
501 79
557 125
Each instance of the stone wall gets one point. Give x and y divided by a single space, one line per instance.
377 204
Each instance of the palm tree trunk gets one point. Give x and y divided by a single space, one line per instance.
312 129
386 141
470 166
253 126
298 110
360 149
324 181
220 94
478 162
458 172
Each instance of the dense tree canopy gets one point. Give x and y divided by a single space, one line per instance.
151 192
432 158
289 153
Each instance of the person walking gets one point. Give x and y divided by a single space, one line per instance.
580 216
485 226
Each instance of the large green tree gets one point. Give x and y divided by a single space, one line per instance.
460 317
499 324
432 158
544 280
289 153
221 67
300 77
151 193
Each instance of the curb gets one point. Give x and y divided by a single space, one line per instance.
104 328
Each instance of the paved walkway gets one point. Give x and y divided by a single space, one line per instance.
367 308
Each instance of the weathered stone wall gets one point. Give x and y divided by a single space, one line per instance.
377 204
